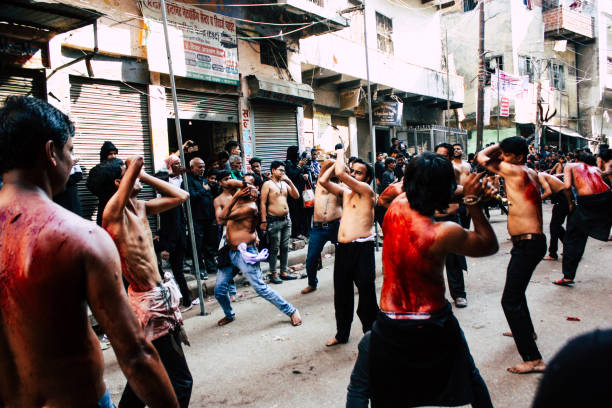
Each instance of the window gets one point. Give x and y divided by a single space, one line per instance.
273 52
469 5
491 63
557 76
550 5
384 33
526 67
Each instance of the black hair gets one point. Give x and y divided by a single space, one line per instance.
26 124
162 175
221 174
429 183
369 170
458 144
276 164
393 139
254 160
106 148
400 155
292 154
445 145
223 155
471 156
389 160
587 158
101 179
515 145
605 155
338 146
230 145
352 159
249 174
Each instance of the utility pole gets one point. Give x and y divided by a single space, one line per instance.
447 113
560 121
481 78
498 104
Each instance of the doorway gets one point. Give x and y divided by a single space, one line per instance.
383 140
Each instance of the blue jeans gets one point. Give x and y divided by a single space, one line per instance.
105 401
253 273
318 237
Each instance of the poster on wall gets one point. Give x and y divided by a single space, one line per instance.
387 113
203 44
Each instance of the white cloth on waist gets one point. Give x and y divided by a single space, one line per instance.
252 258
157 309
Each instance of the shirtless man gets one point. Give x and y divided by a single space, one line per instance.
241 217
54 263
154 301
464 169
275 218
414 312
592 215
354 261
455 263
562 202
327 213
529 242
604 162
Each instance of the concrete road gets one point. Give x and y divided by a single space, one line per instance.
260 360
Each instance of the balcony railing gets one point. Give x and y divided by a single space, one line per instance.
562 23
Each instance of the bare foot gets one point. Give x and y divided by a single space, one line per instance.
296 319
509 334
225 320
527 367
233 298
334 342
308 289
549 258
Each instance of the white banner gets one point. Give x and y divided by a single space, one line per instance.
203 44
510 86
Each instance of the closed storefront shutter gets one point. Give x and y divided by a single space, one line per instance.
203 106
275 127
108 110
21 82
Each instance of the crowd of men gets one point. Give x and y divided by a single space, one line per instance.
55 262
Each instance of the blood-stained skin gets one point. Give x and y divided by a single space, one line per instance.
532 192
390 193
588 180
413 281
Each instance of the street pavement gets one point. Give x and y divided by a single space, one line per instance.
260 360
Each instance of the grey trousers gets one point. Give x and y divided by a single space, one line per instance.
279 233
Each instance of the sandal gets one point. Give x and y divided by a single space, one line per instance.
564 282
225 320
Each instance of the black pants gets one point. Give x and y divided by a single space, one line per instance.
206 240
557 232
573 248
455 265
177 256
354 262
526 255
173 359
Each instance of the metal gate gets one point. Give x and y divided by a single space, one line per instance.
275 129
108 110
202 106
21 82
426 138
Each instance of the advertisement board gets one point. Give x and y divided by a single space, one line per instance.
387 113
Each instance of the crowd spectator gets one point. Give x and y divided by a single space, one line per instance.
297 173
260 177
388 176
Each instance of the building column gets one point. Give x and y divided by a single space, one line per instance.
353 142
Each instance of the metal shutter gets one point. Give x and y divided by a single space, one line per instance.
202 106
275 129
21 83
107 110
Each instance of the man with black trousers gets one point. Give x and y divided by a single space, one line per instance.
203 216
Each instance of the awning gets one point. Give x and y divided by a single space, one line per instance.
568 132
279 90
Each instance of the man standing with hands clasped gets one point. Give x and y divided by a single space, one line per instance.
354 261
275 218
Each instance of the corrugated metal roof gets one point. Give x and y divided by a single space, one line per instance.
46 15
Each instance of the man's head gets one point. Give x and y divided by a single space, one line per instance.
587 158
108 151
390 163
104 179
351 160
514 150
255 163
249 178
313 154
277 168
211 177
223 158
235 162
197 167
429 183
400 159
232 148
605 155
361 170
379 157
394 141
34 134
457 151
173 163
223 176
445 150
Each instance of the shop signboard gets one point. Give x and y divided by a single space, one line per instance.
387 113
203 43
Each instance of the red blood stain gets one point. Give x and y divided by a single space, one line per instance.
588 180
412 282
